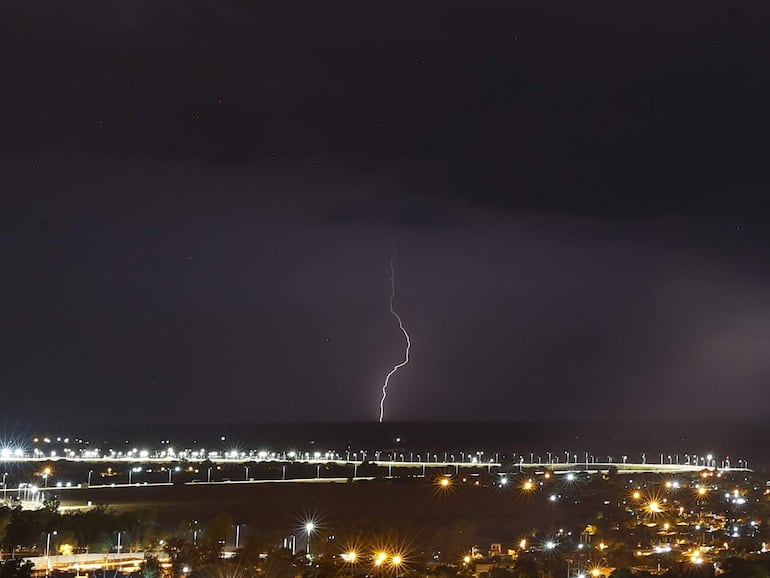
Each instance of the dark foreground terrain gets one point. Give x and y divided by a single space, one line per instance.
412 506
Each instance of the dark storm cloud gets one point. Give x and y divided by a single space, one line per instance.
204 194
590 108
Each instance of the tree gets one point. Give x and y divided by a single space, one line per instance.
151 567
740 568
52 504
281 563
144 528
181 552
16 569
5 520
526 567
218 530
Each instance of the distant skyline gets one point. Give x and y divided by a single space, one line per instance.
200 200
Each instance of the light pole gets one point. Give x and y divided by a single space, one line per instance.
237 536
208 475
247 473
90 472
48 551
130 471
5 487
309 529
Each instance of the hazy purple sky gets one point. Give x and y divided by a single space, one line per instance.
200 199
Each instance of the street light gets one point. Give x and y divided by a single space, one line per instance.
48 551
396 561
380 558
208 475
309 529
90 472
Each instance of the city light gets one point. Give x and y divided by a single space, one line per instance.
309 526
696 557
679 520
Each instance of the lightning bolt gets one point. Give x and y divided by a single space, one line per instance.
400 326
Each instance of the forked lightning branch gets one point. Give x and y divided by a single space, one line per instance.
403 330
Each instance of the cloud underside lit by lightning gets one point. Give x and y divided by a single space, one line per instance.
403 330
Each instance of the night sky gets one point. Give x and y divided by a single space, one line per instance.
199 200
